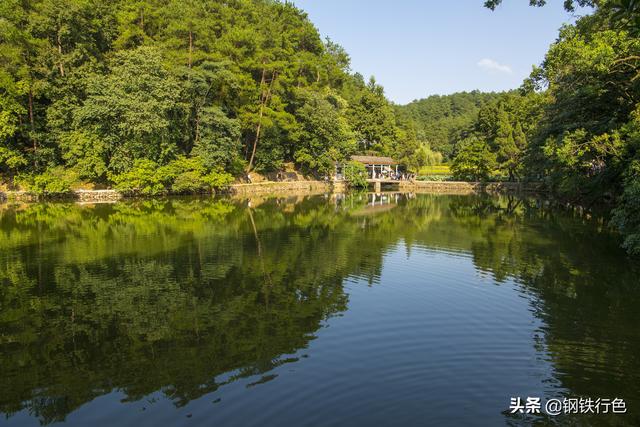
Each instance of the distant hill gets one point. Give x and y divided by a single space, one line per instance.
440 120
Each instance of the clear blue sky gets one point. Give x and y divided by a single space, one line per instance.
417 48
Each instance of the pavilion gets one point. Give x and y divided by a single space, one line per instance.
378 168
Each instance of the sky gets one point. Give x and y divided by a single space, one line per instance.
417 48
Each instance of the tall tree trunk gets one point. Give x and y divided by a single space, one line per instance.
190 46
196 139
266 95
142 19
260 115
60 65
198 126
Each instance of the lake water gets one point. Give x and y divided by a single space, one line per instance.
317 311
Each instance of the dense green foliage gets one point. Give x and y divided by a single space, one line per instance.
474 161
355 174
114 90
507 125
53 181
627 215
180 176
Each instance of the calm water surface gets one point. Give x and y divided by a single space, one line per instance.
319 311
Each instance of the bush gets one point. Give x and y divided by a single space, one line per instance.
144 179
181 176
54 181
192 182
626 216
218 180
190 176
184 175
356 174
189 182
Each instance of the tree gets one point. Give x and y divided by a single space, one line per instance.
474 160
578 143
324 137
21 83
130 108
11 111
218 140
569 5
356 175
420 156
625 14
504 145
626 216
372 119
85 152
138 22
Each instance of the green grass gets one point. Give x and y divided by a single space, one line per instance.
435 170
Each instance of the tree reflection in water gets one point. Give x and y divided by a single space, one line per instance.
169 295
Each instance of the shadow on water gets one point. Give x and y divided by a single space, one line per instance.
184 297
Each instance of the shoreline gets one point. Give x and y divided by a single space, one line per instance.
284 188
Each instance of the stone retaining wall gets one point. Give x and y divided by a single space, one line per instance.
277 188
85 196
18 196
97 196
459 187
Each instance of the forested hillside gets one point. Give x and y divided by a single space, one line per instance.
179 95
443 120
